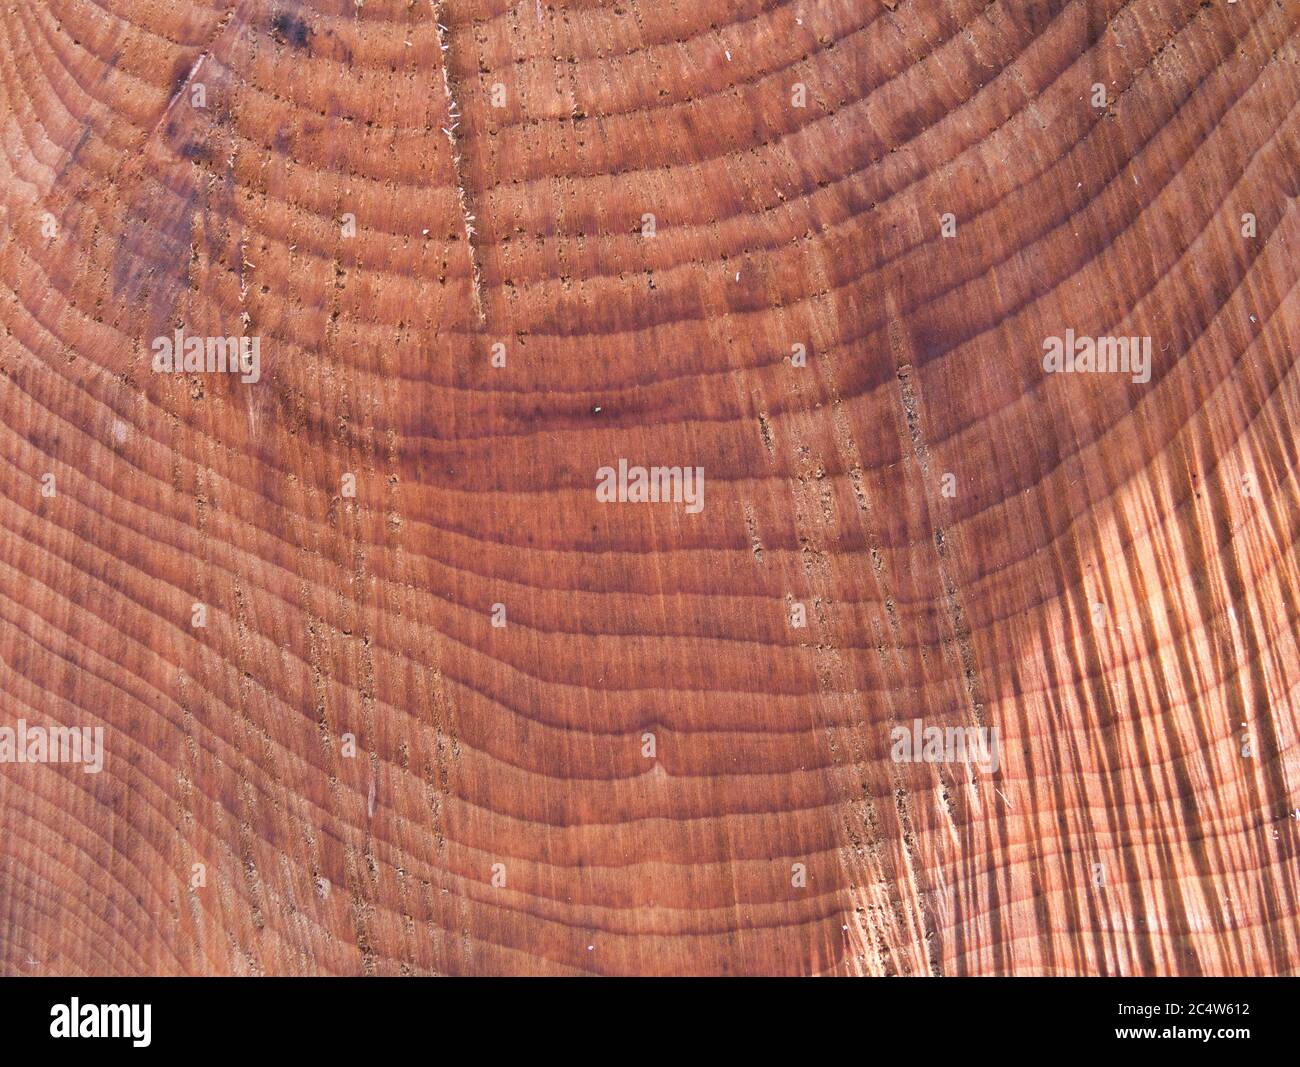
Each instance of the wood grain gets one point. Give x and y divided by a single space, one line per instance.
1109 579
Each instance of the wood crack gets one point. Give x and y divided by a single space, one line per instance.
453 124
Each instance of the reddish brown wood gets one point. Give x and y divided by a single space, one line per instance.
1110 579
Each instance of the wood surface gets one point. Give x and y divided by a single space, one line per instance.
1109 579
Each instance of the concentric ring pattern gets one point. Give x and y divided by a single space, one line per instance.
813 247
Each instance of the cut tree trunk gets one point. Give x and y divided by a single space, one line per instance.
387 684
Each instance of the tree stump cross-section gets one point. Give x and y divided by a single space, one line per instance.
622 487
